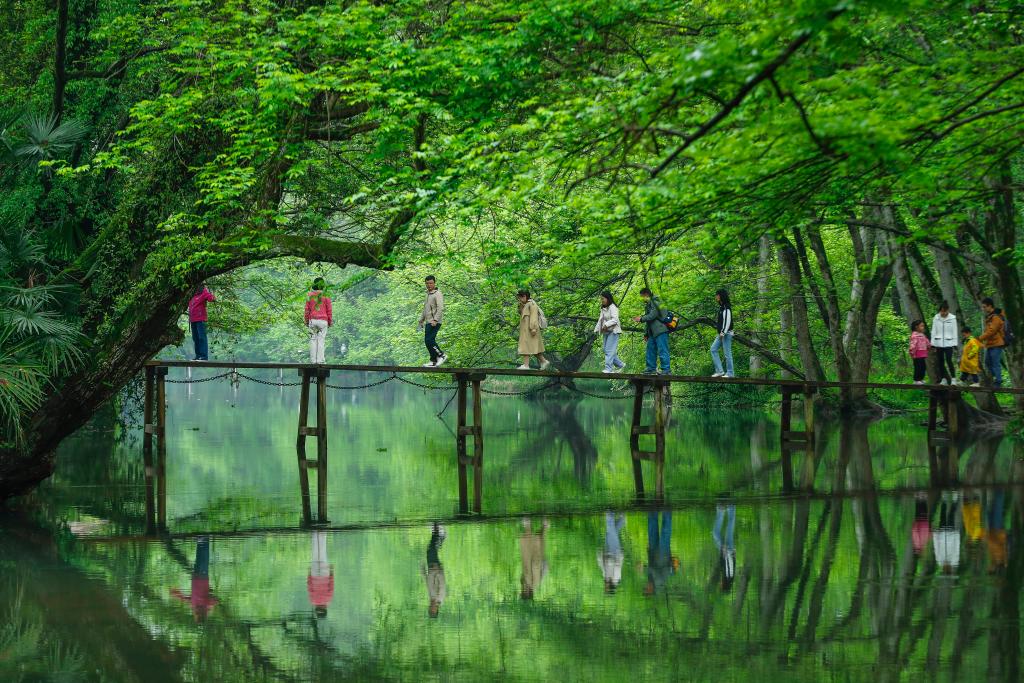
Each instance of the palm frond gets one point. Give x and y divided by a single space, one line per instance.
49 139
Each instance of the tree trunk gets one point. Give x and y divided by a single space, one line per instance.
764 255
805 344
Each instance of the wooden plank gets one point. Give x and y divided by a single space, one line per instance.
645 455
311 464
643 429
308 431
469 430
794 436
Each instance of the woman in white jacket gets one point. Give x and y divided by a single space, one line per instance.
945 337
609 326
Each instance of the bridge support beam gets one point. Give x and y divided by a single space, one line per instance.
308 375
154 421
943 400
791 440
465 382
657 429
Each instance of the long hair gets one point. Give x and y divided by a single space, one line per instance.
608 296
724 296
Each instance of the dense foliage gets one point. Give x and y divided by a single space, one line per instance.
842 167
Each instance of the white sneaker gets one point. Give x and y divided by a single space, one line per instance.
545 365
729 376
441 359
607 372
523 367
919 382
943 382
718 374
976 385
431 364
956 382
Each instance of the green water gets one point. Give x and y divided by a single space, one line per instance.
887 569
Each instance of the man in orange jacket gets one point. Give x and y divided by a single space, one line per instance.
993 340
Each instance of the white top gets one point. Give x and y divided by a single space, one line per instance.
608 321
945 332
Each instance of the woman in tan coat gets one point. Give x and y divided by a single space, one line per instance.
531 337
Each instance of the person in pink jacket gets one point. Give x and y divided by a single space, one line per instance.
197 320
318 318
919 347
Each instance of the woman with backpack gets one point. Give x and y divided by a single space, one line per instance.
531 333
319 317
724 339
945 337
610 328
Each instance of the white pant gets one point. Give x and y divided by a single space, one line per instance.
318 564
317 340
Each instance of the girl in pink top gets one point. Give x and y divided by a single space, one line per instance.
197 320
919 347
318 318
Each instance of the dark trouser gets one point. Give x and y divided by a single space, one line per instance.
946 362
920 368
969 378
993 363
199 340
430 339
202 565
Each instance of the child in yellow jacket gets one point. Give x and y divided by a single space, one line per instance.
969 363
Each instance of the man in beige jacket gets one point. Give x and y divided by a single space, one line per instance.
430 319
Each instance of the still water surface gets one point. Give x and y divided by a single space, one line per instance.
890 570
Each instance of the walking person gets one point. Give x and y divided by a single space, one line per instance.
946 536
197 320
531 336
609 327
320 579
725 519
724 339
970 368
534 558
945 338
661 564
993 339
319 317
433 573
919 346
655 333
430 322
610 557
201 599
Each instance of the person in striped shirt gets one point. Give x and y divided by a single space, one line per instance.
723 340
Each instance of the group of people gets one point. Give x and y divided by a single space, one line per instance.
982 520
946 336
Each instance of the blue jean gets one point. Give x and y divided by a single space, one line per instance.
994 364
657 349
723 342
199 340
725 513
611 352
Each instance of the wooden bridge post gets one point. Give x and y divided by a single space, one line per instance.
809 396
659 438
952 414
478 448
300 444
933 412
161 446
639 386
460 442
148 425
321 444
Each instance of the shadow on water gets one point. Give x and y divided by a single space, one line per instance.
885 557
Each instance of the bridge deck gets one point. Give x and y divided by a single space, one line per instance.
797 384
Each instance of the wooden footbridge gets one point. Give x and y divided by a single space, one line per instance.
468 381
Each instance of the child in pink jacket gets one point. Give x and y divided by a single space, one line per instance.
919 347
319 317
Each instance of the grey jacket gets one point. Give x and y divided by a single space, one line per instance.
653 315
433 308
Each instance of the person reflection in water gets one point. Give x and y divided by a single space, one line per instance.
995 534
921 529
726 515
660 563
535 563
610 557
437 588
946 536
320 581
201 600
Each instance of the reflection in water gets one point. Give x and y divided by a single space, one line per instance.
320 580
534 558
830 585
661 564
437 588
201 599
610 558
